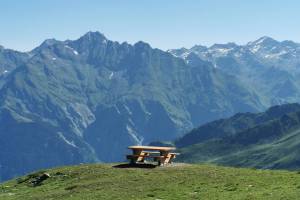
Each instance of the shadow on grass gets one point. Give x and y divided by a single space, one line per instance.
137 165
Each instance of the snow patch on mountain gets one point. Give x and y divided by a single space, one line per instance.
128 109
255 49
111 75
221 50
117 109
276 55
4 72
104 41
74 51
71 143
134 135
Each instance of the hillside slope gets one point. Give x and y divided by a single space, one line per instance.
264 140
232 125
177 182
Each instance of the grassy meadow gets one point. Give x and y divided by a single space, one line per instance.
180 181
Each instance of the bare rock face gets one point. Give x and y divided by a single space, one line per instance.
38 180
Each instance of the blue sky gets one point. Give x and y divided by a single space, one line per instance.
162 23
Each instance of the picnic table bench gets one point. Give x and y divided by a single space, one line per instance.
163 155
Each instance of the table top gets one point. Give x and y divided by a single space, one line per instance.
152 148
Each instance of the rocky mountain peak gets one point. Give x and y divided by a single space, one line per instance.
141 44
90 40
45 45
198 48
93 36
265 40
229 45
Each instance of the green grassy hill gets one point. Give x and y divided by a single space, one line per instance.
182 181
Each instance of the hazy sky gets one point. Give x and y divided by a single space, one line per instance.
162 23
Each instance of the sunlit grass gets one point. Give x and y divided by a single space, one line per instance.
100 181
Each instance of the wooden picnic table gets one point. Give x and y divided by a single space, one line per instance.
163 155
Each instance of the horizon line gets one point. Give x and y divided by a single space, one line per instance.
133 43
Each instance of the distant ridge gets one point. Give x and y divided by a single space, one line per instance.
264 140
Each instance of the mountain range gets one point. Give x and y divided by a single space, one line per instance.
86 100
269 67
